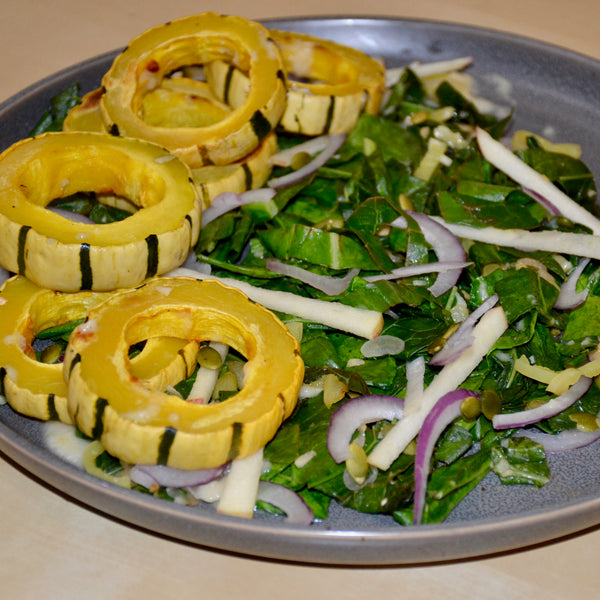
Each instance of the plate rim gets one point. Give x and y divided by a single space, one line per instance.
580 514
362 18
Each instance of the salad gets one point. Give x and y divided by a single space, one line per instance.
439 278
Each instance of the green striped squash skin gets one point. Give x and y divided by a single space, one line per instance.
50 251
136 424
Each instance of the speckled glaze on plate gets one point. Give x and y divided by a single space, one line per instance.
554 92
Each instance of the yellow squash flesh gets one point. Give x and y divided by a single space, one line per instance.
37 389
177 102
183 102
186 100
192 41
140 425
330 85
249 173
57 253
86 116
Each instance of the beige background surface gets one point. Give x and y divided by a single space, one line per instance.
52 547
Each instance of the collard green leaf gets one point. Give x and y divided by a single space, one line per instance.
393 140
515 209
331 249
450 484
520 460
583 321
522 291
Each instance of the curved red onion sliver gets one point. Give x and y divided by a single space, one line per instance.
228 201
170 477
541 200
354 413
312 146
446 246
569 297
446 410
549 409
553 443
418 269
336 140
70 215
332 286
291 503
462 339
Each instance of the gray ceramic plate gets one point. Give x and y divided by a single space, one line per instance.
554 91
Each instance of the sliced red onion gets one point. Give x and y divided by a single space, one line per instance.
312 147
447 248
446 410
541 200
462 338
553 443
140 477
545 411
519 171
568 296
419 269
70 215
353 414
258 195
336 140
148 475
353 485
332 286
296 510
221 204
228 201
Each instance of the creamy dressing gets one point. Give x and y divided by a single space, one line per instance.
61 439
502 88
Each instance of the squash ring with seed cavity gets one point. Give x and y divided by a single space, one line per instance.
57 253
176 102
139 425
249 172
329 85
37 389
194 40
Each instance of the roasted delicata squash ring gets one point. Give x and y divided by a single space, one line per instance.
59 254
139 425
177 102
249 173
38 389
179 99
86 116
330 85
189 41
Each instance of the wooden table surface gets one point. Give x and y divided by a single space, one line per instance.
53 547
